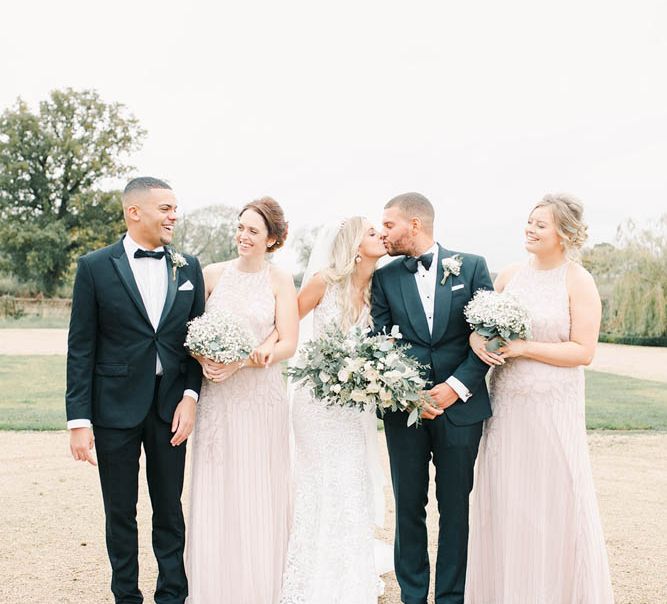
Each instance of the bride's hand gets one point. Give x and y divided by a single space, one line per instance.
262 356
478 345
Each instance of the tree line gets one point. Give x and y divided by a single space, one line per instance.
54 207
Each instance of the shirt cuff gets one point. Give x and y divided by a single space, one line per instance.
459 388
192 393
78 423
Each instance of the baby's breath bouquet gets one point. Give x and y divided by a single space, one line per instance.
220 337
355 369
498 317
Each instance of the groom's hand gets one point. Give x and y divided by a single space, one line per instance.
184 420
443 395
81 442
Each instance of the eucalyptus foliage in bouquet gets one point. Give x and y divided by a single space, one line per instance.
498 317
355 369
218 336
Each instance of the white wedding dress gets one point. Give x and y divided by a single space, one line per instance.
332 556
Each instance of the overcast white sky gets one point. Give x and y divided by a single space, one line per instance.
333 108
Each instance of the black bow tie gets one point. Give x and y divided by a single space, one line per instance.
149 254
411 262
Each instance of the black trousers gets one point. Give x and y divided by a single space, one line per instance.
453 450
118 452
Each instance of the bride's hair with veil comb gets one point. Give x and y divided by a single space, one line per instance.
344 252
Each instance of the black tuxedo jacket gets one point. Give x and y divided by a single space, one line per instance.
396 301
112 345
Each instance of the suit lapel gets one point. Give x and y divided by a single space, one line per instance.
442 300
172 288
122 266
413 304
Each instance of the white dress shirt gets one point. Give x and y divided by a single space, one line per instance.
152 280
426 284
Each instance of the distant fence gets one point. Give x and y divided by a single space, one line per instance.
45 308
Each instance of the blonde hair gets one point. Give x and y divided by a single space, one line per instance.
344 252
568 213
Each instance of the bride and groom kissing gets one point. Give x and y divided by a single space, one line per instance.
264 529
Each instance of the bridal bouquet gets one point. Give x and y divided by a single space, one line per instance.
359 370
218 336
497 317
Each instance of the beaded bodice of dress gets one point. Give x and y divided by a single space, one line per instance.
248 297
544 294
329 311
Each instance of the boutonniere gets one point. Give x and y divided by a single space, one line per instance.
451 266
177 261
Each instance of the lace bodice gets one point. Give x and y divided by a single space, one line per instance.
329 311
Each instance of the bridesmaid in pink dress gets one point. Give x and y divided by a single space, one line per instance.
536 536
239 507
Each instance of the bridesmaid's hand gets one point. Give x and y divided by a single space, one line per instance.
219 372
478 345
262 356
513 348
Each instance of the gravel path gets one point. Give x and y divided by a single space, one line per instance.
52 529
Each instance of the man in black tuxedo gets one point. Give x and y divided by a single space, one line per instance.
129 375
425 299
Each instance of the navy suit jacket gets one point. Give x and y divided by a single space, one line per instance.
396 301
112 344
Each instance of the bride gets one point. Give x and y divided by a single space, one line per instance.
338 480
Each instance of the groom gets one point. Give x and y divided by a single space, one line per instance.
424 294
129 376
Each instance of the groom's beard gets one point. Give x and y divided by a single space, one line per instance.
399 248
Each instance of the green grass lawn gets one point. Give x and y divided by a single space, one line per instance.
32 390
615 402
35 322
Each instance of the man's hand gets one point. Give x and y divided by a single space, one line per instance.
430 411
184 420
81 442
443 396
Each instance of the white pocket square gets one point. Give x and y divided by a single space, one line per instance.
459 286
186 287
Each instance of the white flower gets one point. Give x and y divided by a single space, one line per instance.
396 331
177 261
371 374
358 396
324 376
343 375
220 337
451 266
373 388
336 388
354 364
385 395
392 376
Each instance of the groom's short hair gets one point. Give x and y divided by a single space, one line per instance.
414 205
141 184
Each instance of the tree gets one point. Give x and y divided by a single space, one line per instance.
208 233
632 279
52 164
